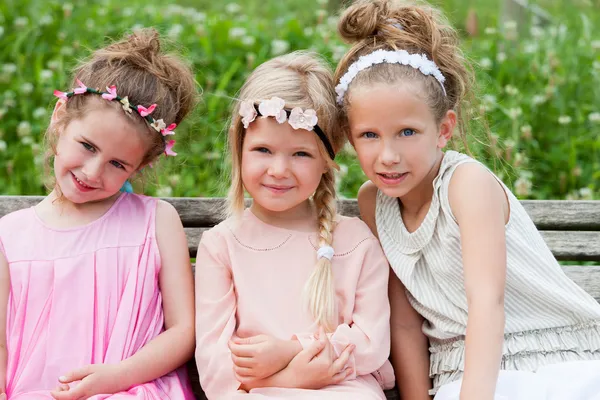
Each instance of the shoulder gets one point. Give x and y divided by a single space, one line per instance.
367 203
350 234
473 187
16 219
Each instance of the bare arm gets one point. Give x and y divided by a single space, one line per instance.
410 347
4 291
480 207
175 345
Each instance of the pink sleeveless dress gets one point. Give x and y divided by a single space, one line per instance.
83 295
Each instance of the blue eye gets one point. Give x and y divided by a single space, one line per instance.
407 132
302 154
369 135
117 164
87 146
262 150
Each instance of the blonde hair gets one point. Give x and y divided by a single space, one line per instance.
371 25
302 79
142 72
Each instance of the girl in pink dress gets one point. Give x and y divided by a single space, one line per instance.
100 301
291 297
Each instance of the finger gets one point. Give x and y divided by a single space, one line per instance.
242 350
341 361
247 362
76 375
312 350
76 393
340 376
249 340
3 396
242 371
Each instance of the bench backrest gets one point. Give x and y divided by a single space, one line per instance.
571 228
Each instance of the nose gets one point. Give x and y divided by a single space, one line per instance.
388 155
93 169
279 167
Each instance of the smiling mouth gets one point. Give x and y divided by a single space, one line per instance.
81 183
278 189
392 176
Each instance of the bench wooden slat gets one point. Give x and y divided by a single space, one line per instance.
565 245
198 212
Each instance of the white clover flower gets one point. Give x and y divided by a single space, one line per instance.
46 20
586 193
490 30
90 24
511 90
322 2
27 88
53 65
174 179
23 129
309 31
279 47
594 117
1 30
511 24
523 186
164 191
212 155
526 131
564 120
485 63
67 51
67 7
46 74
536 32
175 31
21 22
596 65
501 57
489 99
128 12
9 68
596 44
538 99
530 48
248 40
338 52
515 113
198 17
39 113
27 140
3 146
237 32
233 8
137 27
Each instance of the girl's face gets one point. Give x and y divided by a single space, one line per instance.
96 154
281 166
396 137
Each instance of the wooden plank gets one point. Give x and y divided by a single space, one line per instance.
196 212
586 276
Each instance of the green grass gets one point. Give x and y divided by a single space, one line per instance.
530 80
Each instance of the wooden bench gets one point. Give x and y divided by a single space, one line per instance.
571 229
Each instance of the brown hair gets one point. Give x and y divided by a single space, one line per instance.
302 79
142 72
393 25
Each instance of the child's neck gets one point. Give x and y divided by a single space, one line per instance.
62 213
301 217
415 204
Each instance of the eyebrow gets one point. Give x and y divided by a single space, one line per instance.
116 159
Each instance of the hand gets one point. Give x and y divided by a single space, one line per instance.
318 366
261 356
94 379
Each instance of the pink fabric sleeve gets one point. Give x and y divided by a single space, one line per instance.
215 319
370 327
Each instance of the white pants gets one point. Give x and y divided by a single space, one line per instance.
578 380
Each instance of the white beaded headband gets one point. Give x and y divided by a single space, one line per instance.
417 61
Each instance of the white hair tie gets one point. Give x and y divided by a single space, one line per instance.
417 61
325 251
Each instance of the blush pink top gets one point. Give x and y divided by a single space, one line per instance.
249 281
83 295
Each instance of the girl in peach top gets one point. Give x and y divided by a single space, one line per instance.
291 298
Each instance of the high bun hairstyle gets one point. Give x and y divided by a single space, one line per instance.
303 80
371 25
140 70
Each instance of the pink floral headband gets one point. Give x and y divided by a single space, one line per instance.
296 117
111 95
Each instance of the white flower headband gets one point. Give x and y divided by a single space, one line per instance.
417 61
296 117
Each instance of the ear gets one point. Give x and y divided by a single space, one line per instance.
446 129
59 111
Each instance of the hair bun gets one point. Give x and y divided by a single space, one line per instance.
361 20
